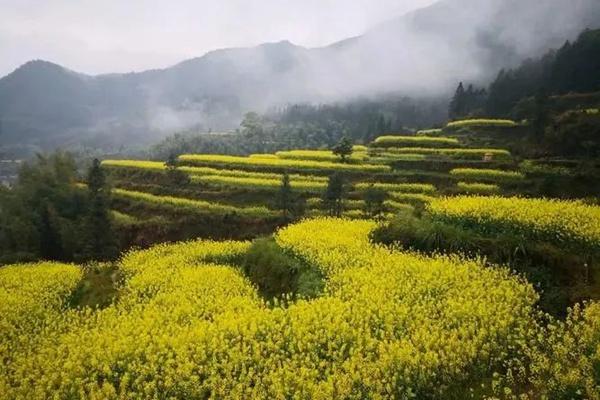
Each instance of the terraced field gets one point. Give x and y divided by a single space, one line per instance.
411 170
404 303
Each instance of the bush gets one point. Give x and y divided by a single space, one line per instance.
277 274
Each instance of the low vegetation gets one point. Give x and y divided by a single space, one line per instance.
568 223
395 141
277 164
476 123
487 175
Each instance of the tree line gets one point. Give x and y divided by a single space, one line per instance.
47 215
310 126
575 67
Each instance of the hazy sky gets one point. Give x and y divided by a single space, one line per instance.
99 36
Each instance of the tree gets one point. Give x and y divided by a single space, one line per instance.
253 128
343 149
541 114
99 237
284 200
374 202
175 176
458 103
171 162
333 197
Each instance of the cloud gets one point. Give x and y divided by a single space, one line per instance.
120 36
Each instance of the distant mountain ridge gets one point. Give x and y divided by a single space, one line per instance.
422 53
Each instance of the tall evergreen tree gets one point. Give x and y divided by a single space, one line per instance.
541 115
333 198
374 202
458 103
285 200
99 237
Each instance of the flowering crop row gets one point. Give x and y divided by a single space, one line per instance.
32 297
429 132
319 155
394 141
390 324
278 164
459 153
398 187
160 166
478 188
487 175
504 123
557 221
259 183
189 205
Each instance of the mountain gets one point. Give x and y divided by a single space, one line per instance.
421 54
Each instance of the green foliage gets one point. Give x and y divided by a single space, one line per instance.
44 214
575 134
278 274
99 241
466 102
285 196
343 149
333 197
374 201
98 287
575 67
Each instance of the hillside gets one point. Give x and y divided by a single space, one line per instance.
442 266
44 105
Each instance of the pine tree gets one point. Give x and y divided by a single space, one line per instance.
285 201
333 198
541 114
374 202
458 103
99 237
